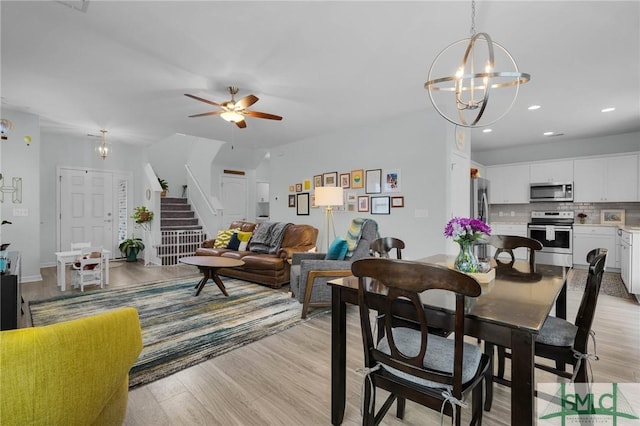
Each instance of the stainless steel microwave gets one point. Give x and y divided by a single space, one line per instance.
550 192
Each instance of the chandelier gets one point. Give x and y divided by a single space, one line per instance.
471 83
103 149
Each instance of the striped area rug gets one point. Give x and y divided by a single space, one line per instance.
178 329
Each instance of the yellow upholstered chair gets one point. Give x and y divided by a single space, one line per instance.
70 373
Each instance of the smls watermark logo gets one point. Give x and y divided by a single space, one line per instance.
582 404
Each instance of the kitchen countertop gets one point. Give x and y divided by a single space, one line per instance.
630 228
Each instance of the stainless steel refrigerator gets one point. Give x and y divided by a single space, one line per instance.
480 208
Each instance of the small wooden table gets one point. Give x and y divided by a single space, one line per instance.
209 266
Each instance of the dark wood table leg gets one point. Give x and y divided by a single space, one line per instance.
210 273
338 356
522 378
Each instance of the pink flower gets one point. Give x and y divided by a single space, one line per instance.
466 229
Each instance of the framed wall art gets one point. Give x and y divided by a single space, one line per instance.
372 181
363 203
306 185
357 179
292 200
345 180
298 187
302 204
397 201
612 217
317 181
380 205
391 181
330 179
292 188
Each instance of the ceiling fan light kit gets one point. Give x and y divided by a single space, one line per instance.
232 111
473 80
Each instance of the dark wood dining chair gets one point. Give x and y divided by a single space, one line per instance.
381 247
508 243
562 341
405 359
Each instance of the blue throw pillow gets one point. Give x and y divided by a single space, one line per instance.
234 242
337 249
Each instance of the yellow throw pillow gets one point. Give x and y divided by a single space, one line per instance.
244 236
223 237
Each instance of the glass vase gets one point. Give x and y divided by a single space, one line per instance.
466 260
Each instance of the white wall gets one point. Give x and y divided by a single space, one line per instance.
414 144
17 159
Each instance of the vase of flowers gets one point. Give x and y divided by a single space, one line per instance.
465 232
582 217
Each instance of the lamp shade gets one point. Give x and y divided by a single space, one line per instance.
329 196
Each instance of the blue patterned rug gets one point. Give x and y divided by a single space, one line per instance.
178 329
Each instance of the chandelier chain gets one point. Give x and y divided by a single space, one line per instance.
473 18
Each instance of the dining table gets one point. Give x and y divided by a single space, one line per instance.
510 312
63 258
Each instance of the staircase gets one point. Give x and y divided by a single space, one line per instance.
180 230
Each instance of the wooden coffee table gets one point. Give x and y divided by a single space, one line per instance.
209 266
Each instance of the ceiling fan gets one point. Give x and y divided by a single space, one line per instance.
235 111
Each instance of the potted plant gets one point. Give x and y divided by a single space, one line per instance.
142 216
131 247
165 187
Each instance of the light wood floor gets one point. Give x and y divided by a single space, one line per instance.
284 379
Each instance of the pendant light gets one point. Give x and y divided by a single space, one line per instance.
103 148
462 96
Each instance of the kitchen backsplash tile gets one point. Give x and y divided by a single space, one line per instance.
521 213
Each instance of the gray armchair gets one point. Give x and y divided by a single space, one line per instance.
314 269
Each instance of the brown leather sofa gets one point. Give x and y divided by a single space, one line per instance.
268 269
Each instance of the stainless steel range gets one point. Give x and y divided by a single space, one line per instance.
554 229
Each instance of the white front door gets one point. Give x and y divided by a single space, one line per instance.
86 204
234 199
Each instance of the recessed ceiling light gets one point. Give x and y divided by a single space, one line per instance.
487 131
548 133
533 107
608 109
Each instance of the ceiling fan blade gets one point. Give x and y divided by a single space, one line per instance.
258 114
204 114
247 101
242 124
202 100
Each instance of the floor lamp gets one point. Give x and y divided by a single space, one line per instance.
329 196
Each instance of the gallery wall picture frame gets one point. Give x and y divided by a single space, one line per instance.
372 181
391 180
292 188
397 201
306 185
380 205
302 204
317 181
330 179
313 202
612 217
292 200
298 187
363 203
345 180
357 179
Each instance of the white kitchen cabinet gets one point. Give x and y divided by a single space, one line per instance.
554 171
606 179
587 238
519 229
509 184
